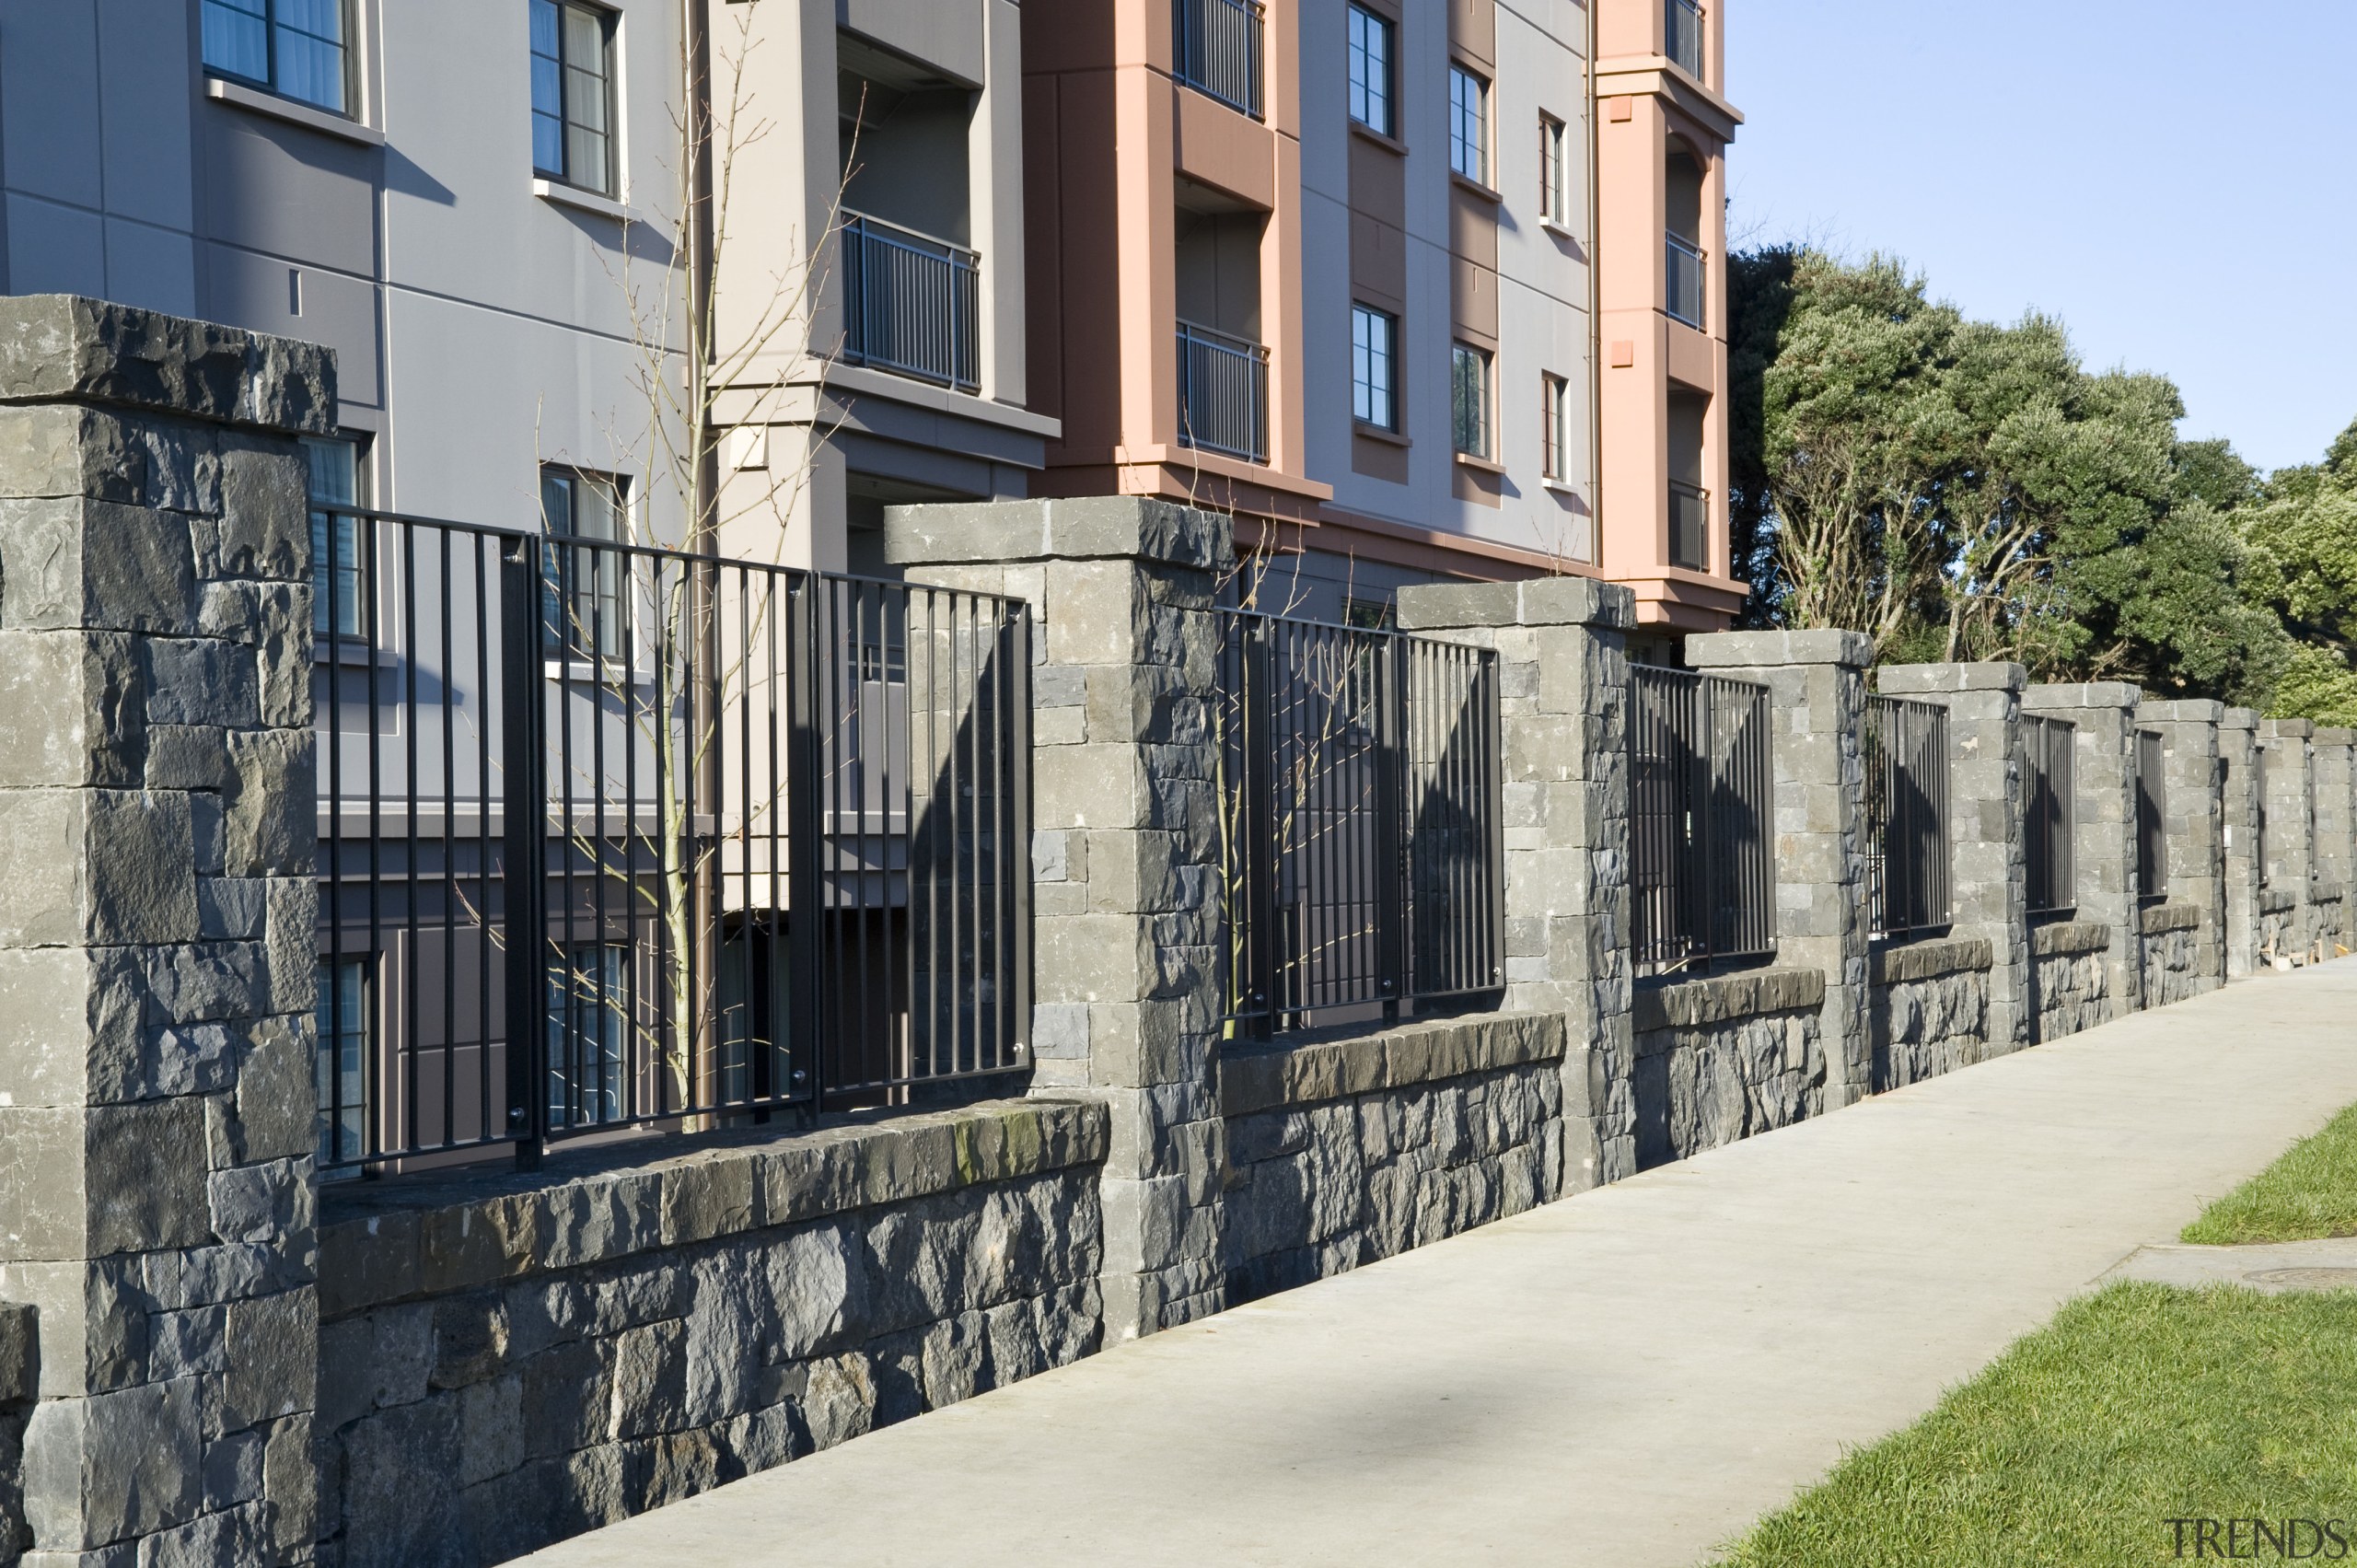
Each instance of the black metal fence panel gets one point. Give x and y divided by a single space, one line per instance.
2152 819
1701 798
1908 870
2049 804
765 833
1217 49
1360 811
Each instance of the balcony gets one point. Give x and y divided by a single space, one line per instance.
911 305
1687 276
1218 50
1681 32
1689 526
1222 394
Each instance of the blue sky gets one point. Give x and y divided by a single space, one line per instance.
2169 178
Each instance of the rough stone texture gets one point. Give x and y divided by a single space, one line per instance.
1930 1010
156 1204
2071 975
2328 936
2104 835
2176 954
1818 705
1721 1059
2282 929
1988 860
2287 933
507 1361
1346 1151
19 1349
2195 811
1127 890
2239 808
1563 682
2331 752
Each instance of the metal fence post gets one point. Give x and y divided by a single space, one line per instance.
1258 860
805 892
524 880
1390 825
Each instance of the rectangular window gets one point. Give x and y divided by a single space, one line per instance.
1470 400
588 1010
1469 125
342 1014
1374 338
1367 614
1555 401
1370 50
1554 173
295 48
339 539
572 94
583 598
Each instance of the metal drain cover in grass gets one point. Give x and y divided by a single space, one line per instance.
2306 1279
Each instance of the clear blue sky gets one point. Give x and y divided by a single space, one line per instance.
2169 178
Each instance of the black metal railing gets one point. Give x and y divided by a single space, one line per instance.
1689 280
1361 822
1222 394
1682 35
2050 808
1689 526
2152 819
1219 46
761 836
1701 805
912 304
1908 876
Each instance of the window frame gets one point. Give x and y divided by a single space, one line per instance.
609 592
1360 352
328 1056
1460 76
1354 49
1554 166
347 88
1460 355
609 21
1555 415
327 625
595 982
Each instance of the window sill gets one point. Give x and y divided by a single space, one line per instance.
564 195
1481 465
1366 132
1475 188
1378 432
350 653
1562 488
254 101
1560 229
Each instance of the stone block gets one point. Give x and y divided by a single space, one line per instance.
113 1466
271 823
96 566
73 705
265 511
58 347
95 866
1095 527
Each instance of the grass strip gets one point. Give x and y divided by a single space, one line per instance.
2309 1193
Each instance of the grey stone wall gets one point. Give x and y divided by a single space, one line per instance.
2194 832
2071 975
2104 836
2282 929
19 1334
2330 752
1930 1010
1724 1058
2285 932
2175 956
505 1362
1343 1152
2240 869
2329 922
157 908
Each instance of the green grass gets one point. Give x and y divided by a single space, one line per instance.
2134 1407
2310 1193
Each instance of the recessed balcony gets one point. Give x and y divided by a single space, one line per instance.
1219 47
1689 526
1689 275
1681 31
912 304
1222 394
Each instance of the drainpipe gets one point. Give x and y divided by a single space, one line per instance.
696 47
1595 300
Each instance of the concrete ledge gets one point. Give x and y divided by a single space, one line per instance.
1747 650
2069 937
1929 960
1268 1077
2276 901
2192 709
61 347
1103 528
2328 893
409 1237
2158 918
2334 734
1717 999
1933 680
1542 601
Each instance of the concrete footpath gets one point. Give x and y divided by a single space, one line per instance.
1627 1377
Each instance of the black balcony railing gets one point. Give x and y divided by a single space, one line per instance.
1689 278
911 305
1681 30
1908 878
1222 394
2050 805
2152 819
1219 47
1360 819
1702 803
1689 526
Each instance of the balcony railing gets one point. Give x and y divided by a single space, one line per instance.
1681 33
1219 49
911 305
1688 278
1222 394
1689 526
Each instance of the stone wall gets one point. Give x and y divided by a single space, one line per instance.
2329 922
1342 1151
2282 929
506 1361
2070 970
1929 1010
2175 965
1727 1057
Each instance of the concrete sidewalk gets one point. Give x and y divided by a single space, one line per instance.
1627 1377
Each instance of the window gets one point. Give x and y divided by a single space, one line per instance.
572 94
339 539
582 597
293 47
1367 614
588 992
1470 400
1375 336
1469 125
1370 48
1554 172
1555 404
341 1062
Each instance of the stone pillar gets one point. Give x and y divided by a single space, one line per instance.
156 928
1126 853
2238 792
2104 840
2331 767
2195 820
1564 677
2289 837
1988 852
1818 696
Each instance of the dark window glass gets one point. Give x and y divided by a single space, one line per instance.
1470 400
293 47
1370 51
1374 349
572 94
